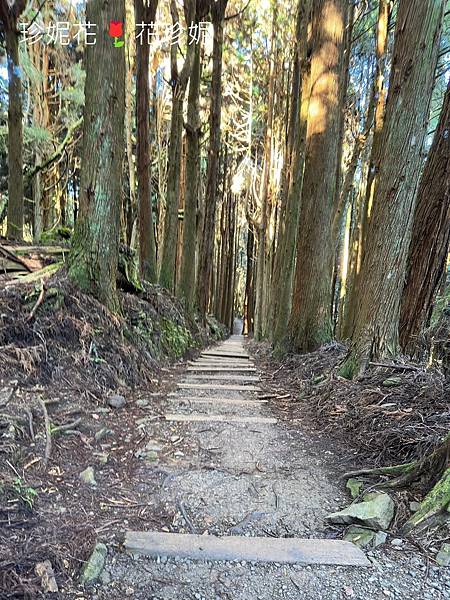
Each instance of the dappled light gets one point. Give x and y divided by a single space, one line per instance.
224 299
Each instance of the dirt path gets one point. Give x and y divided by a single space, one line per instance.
255 476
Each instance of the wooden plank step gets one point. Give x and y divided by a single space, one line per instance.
218 369
251 549
213 377
220 419
208 386
224 354
223 362
199 400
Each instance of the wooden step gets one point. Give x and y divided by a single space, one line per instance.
251 549
225 354
223 363
215 377
196 418
199 400
216 388
219 369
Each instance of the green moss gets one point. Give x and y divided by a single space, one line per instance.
175 339
56 235
349 369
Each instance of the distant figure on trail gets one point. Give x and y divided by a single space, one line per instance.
238 326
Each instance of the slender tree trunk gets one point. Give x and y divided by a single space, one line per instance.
339 197
95 249
365 199
384 15
288 229
264 188
207 242
186 287
430 236
310 323
384 262
179 83
15 129
130 27
249 283
147 246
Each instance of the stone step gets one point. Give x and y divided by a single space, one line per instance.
251 549
220 419
208 386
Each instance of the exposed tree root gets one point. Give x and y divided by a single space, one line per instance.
437 500
431 473
394 470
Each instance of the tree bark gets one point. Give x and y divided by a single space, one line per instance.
261 225
186 287
95 249
207 242
310 323
9 15
179 83
147 245
365 197
430 236
384 16
288 229
131 212
384 263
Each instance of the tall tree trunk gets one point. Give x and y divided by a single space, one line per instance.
310 323
179 83
384 15
130 28
261 226
365 199
147 246
287 234
186 287
205 266
95 249
339 198
9 14
430 236
384 262
249 310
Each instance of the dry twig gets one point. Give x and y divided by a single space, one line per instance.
48 433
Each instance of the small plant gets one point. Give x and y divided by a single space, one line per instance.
26 493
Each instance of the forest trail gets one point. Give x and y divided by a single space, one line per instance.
248 475
229 398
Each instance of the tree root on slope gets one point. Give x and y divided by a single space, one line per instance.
431 473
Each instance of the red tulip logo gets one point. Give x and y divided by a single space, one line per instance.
116 31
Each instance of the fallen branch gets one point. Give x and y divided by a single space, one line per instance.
66 427
30 422
48 433
39 301
186 518
395 366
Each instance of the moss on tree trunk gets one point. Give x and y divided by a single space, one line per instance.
95 249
